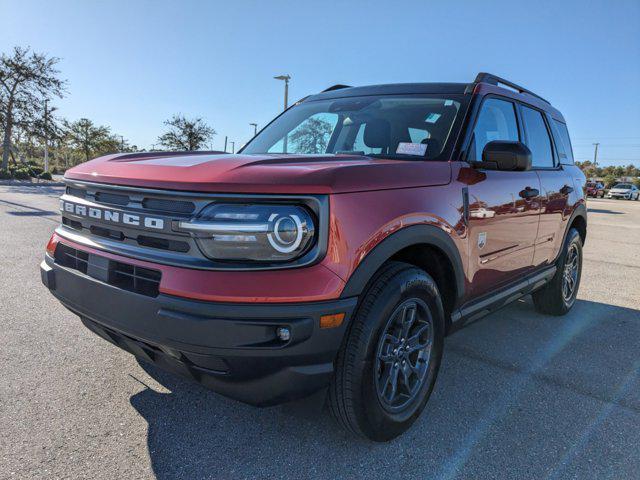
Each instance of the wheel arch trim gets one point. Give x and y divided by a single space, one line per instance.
579 211
406 237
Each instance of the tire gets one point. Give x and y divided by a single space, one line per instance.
552 299
361 396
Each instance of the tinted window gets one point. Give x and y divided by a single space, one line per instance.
538 139
564 142
359 145
496 121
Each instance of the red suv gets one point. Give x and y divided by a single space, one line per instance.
335 251
595 189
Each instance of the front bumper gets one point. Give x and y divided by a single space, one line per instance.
230 348
626 196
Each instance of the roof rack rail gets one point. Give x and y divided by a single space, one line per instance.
336 87
491 79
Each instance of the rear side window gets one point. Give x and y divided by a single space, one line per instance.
564 143
538 139
496 121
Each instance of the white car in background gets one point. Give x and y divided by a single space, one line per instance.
627 191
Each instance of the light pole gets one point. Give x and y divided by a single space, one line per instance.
595 154
233 147
255 128
286 79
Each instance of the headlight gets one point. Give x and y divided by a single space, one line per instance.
252 232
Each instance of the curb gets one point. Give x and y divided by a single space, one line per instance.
26 183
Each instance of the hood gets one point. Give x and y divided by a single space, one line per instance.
223 173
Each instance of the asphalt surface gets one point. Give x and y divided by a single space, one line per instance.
520 395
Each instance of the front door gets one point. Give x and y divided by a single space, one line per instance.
504 206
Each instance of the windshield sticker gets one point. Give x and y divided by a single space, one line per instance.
432 117
407 148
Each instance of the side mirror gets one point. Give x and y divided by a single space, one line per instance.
506 155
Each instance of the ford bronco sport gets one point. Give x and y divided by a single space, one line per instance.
335 251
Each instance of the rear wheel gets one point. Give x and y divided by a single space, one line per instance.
388 363
559 295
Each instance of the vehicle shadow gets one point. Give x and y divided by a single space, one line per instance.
604 210
520 395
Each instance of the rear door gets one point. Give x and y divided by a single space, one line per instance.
503 206
556 184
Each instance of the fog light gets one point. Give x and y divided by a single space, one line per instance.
283 333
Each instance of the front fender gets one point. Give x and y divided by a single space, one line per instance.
397 241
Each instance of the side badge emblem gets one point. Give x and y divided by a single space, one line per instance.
482 240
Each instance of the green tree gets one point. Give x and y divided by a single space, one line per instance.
186 134
631 171
90 139
27 79
610 180
312 136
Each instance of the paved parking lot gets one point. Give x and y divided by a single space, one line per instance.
520 395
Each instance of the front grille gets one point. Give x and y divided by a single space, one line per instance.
163 243
181 207
142 240
175 206
112 198
76 192
141 280
72 258
105 232
144 281
72 223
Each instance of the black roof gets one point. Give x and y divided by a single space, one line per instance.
339 91
390 89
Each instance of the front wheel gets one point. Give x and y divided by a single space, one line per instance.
559 295
388 363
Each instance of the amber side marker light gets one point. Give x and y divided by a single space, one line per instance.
51 246
331 321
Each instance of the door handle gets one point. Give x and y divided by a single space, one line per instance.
529 192
566 190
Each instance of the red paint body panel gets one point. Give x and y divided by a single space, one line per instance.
225 173
502 226
360 221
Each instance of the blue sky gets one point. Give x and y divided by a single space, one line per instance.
132 64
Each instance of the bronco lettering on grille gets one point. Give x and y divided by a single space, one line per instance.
112 216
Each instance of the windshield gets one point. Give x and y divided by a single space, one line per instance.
623 186
386 126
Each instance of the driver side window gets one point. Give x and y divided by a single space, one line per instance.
496 121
